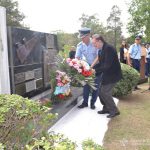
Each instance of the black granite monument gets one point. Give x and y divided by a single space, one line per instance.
31 56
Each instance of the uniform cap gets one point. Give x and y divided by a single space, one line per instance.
84 32
138 37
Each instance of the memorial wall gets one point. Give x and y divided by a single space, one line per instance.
31 57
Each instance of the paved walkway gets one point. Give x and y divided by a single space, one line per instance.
80 124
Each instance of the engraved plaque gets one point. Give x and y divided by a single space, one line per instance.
19 77
39 83
38 73
29 75
20 89
30 86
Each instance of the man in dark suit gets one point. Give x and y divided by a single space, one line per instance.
109 66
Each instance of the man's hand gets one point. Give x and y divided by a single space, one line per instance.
93 71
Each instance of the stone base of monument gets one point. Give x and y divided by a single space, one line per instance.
62 107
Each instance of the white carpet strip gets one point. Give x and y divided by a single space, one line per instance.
81 124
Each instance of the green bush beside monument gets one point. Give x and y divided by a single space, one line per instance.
128 82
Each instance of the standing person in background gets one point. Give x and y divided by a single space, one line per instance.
147 72
72 52
135 53
123 52
86 51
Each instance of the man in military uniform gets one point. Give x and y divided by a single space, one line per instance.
135 53
86 51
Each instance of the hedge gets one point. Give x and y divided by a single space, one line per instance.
129 80
21 120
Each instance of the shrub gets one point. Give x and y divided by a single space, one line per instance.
21 120
24 124
2 147
59 142
89 144
65 52
51 141
130 79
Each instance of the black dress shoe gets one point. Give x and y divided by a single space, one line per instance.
83 105
93 107
103 112
113 115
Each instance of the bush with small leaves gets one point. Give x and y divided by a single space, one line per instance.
130 78
89 144
51 141
2 147
21 120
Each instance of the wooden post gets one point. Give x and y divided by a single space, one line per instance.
142 63
142 67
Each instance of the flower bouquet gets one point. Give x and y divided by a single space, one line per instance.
79 71
61 89
69 71
81 66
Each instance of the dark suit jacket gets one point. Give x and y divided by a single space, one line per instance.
108 65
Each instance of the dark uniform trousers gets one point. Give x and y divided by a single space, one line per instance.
136 64
87 89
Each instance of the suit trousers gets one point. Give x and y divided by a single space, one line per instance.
147 69
107 99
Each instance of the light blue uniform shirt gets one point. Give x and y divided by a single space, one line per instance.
86 52
148 53
135 51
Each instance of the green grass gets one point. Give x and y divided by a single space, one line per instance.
131 130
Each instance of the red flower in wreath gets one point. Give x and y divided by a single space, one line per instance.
86 73
61 96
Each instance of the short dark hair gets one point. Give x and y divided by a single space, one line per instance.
98 37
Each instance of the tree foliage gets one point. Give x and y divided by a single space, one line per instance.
114 25
93 23
109 32
69 39
140 17
13 15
